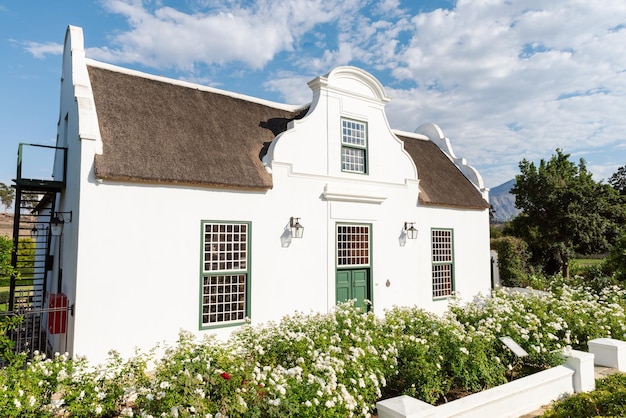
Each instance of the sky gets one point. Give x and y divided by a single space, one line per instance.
504 79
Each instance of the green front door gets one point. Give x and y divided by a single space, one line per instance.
353 284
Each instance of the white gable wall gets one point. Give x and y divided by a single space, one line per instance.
134 251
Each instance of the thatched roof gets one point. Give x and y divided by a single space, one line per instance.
162 132
155 131
441 182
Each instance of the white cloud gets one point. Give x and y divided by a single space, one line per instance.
491 75
217 33
40 50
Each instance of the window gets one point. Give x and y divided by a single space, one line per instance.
353 146
443 263
225 272
353 245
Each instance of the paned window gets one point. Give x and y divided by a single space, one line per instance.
353 146
442 263
353 245
225 272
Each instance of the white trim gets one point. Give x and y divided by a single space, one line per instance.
335 193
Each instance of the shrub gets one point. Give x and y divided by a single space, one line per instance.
615 263
321 365
332 365
513 259
608 399
436 354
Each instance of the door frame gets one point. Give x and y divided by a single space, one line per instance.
355 267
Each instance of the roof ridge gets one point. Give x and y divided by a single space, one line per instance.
188 84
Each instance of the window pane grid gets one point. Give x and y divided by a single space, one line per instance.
223 298
442 246
353 159
353 245
353 146
443 262
225 247
442 280
353 133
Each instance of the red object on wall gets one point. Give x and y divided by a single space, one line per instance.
57 316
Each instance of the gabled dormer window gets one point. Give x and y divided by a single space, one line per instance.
353 146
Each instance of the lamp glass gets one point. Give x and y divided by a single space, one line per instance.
56 226
410 231
297 230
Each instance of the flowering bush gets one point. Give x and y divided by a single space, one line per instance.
436 354
331 365
320 365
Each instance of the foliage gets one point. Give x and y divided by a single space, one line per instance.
26 248
435 355
7 354
608 400
319 365
564 211
513 260
6 248
7 194
616 260
618 180
332 365
50 387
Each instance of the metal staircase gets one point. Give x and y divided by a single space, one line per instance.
32 259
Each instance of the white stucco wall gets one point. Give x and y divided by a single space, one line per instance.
133 251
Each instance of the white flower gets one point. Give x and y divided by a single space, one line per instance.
31 401
98 409
127 412
17 403
274 402
164 385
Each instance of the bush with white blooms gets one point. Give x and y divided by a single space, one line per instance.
320 365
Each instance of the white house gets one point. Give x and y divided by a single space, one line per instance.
183 199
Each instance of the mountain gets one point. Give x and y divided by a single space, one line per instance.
503 202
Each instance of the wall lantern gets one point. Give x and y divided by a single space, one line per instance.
296 229
57 221
409 230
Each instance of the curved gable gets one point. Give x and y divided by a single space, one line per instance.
352 80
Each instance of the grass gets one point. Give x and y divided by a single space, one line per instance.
587 262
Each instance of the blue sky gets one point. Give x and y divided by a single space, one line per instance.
504 80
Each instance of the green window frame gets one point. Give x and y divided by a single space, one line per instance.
442 244
354 146
225 273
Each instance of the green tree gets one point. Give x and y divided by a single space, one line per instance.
618 180
6 196
564 212
615 263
